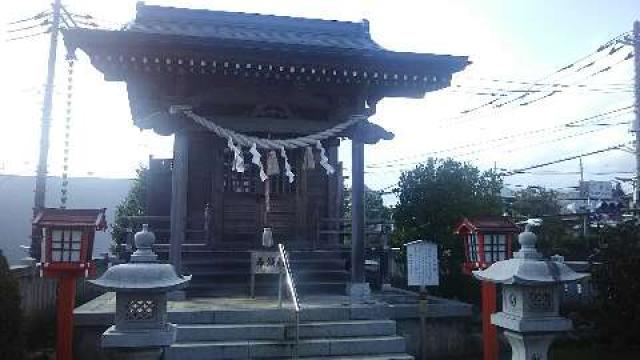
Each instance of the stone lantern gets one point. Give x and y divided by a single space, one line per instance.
530 298
141 329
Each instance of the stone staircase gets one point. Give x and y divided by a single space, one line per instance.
227 273
325 333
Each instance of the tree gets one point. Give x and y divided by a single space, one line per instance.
433 198
617 287
373 204
133 205
535 201
554 235
11 332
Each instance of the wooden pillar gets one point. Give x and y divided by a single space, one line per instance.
333 202
179 177
357 211
302 196
489 331
217 191
66 303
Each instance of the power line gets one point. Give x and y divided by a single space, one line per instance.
561 70
551 84
554 92
523 170
598 117
28 36
37 16
403 166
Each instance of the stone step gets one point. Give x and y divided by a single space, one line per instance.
283 315
394 356
318 254
318 347
228 275
338 329
223 332
263 287
273 331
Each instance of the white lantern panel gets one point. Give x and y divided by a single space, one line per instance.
473 247
66 245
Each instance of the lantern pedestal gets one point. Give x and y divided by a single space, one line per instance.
529 346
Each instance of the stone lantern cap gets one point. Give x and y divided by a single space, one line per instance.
527 267
143 273
148 277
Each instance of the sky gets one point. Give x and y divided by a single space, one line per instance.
511 44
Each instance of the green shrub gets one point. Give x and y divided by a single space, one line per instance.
11 338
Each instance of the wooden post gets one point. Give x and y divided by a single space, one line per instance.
179 177
357 210
66 303
489 331
423 322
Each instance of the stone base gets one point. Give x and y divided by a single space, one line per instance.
177 295
114 338
359 292
529 346
135 354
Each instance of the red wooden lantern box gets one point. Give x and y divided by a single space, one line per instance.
68 239
486 240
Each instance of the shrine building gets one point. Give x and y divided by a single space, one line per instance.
257 105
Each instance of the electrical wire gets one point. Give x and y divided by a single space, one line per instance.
561 70
37 16
598 117
595 152
28 36
404 166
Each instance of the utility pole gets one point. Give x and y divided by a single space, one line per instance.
581 172
584 193
41 176
636 125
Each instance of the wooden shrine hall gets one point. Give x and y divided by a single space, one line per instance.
258 105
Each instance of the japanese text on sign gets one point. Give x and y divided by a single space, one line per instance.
422 263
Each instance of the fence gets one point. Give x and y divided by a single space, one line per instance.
38 295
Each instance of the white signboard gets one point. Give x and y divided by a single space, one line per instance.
422 263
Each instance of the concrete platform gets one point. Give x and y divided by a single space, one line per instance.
330 326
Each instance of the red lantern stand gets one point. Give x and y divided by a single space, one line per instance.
67 246
477 258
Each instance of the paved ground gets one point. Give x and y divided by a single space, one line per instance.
107 302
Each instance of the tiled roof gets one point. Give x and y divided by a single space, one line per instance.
489 223
71 217
268 29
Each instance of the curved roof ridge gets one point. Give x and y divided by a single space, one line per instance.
154 13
